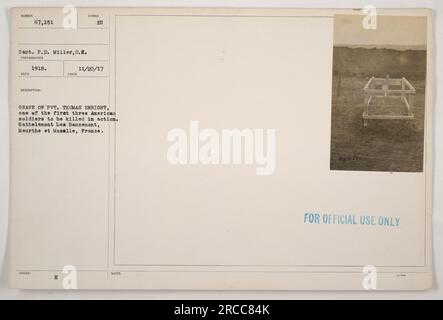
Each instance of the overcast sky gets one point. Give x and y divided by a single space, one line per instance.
392 32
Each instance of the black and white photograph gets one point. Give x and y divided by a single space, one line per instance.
378 93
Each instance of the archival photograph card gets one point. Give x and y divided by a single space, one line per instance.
220 149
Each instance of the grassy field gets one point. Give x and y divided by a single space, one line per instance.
384 145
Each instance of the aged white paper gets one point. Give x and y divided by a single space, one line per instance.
252 149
